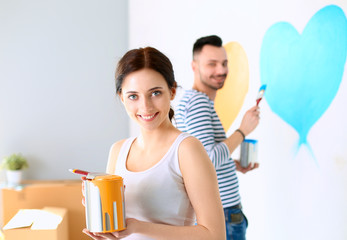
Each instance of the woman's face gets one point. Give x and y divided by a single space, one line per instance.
146 97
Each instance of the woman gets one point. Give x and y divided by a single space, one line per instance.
170 181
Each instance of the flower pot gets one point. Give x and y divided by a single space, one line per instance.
14 177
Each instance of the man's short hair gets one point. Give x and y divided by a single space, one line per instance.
213 40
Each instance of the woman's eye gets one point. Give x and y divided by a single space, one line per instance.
155 93
132 97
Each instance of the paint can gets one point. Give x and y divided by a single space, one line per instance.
104 203
248 152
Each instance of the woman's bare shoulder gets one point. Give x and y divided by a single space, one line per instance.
113 156
191 144
192 151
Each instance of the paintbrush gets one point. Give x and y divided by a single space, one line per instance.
260 93
88 175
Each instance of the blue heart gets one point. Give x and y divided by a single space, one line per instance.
303 72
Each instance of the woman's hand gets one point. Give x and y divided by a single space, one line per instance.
100 236
131 224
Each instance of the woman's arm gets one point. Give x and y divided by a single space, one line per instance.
112 156
201 184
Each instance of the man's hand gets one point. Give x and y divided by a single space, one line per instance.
250 120
250 167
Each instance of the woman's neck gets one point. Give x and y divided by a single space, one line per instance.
150 139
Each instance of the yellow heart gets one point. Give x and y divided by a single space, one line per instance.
230 98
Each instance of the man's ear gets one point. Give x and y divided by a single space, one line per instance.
193 64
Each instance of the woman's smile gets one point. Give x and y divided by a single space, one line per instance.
148 117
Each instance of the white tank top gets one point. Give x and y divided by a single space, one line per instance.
157 194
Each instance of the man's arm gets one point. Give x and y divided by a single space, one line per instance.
249 122
199 121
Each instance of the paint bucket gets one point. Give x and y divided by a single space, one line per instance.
249 152
104 203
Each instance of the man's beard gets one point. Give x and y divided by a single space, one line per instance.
207 84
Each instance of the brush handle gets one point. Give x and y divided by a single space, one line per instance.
258 100
78 171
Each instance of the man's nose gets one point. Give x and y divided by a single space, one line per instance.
221 69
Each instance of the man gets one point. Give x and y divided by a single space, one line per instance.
196 115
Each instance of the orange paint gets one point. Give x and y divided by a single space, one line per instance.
111 190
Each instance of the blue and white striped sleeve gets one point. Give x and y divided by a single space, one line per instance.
202 124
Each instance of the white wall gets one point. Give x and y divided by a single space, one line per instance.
57 96
291 196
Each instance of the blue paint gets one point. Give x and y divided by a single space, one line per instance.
262 87
303 72
252 141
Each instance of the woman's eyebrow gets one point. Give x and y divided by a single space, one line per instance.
149 90
155 88
130 92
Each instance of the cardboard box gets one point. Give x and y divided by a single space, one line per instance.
39 194
34 224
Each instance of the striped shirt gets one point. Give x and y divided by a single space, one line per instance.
196 115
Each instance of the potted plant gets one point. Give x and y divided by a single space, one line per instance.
14 165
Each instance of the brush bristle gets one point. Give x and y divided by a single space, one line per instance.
263 87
